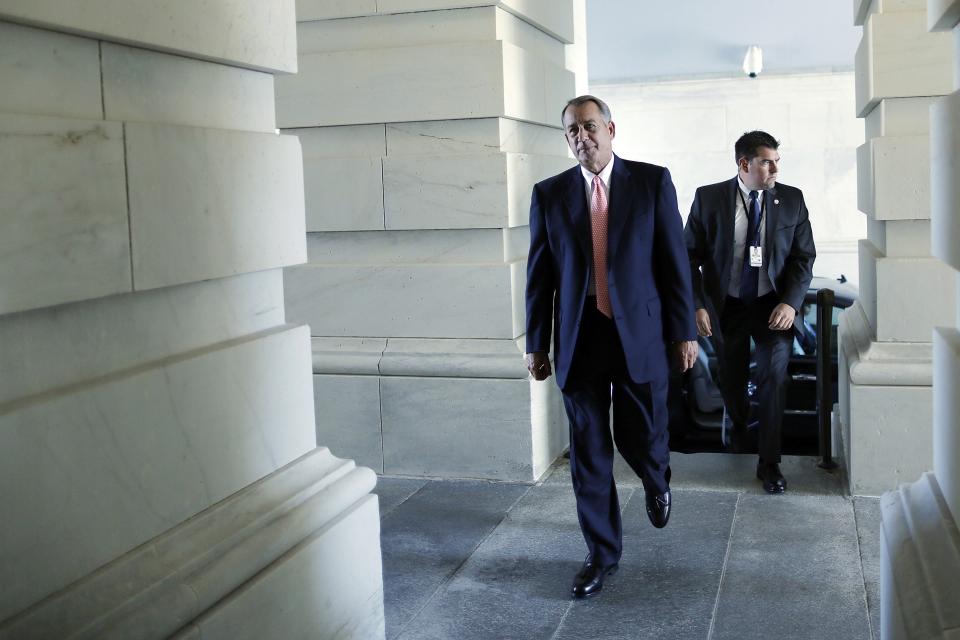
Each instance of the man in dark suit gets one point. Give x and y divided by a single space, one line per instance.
751 256
608 277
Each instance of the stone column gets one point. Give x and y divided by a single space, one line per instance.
424 125
920 543
159 475
885 339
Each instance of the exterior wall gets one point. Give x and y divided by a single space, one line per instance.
905 292
418 181
157 446
920 540
691 125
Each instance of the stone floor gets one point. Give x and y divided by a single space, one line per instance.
476 560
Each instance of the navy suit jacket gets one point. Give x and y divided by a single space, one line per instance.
648 272
788 248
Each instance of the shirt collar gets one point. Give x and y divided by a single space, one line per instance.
604 173
745 191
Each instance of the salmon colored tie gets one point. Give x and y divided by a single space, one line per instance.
598 220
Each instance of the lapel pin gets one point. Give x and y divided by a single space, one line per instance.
775 201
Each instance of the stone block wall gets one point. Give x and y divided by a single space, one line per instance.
424 126
157 447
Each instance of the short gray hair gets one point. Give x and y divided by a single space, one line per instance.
584 99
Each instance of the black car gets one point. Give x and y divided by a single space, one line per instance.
696 407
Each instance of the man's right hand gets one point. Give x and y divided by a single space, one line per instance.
703 323
538 364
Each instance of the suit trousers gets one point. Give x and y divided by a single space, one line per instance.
738 323
598 375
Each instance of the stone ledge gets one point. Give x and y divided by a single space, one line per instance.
405 357
920 550
872 363
160 586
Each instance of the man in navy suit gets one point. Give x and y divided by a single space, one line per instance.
608 278
751 257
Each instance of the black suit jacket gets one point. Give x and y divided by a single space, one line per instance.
647 268
788 248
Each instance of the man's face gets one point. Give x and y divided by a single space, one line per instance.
589 136
760 172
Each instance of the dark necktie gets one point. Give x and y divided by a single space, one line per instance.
750 276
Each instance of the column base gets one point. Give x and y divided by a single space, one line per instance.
886 400
437 407
920 564
296 555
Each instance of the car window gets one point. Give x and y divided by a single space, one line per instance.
805 335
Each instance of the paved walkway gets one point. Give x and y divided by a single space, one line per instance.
466 560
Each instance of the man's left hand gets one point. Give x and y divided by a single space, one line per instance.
685 354
781 318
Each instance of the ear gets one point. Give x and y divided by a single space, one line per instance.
612 128
743 165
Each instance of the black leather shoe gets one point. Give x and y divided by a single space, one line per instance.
589 580
658 509
773 480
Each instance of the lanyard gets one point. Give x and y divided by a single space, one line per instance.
763 212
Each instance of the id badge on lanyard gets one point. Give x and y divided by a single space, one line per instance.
755 252
756 256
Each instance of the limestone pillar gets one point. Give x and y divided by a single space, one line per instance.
424 125
159 475
920 543
886 338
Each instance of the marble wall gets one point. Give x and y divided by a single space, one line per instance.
691 125
157 443
424 126
886 338
920 543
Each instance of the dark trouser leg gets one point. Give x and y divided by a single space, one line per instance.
640 430
586 398
734 352
773 356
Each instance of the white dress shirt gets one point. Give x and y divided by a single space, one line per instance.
740 241
588 176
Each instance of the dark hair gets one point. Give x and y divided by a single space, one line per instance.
748 146
581 100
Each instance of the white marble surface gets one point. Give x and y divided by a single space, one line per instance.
418 246
435 82
524 171
946 414
104 468
481 135
427 357
256 35
54 74
343 194
445 192
441 301
892 437
328 586
357 141
894 178
885 364
906 238
63 193
462 428
899 117
207 203
155 589
347 408
898 58
46 349
331 9
944 182
920 563
350 356
472 24
533 86
924 286
146 86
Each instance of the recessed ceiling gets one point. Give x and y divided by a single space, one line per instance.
647 39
